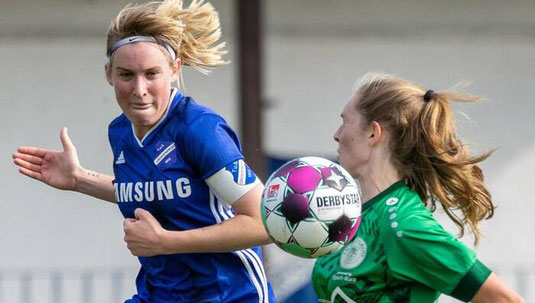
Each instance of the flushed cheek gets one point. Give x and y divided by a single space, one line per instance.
122 95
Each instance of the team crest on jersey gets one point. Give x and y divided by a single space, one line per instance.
354 253
166 154
241 172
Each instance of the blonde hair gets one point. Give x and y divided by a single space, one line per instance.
425 148
191 32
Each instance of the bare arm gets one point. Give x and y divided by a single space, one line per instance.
95 184
496 291
62 170
145 236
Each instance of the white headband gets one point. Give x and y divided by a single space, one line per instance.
135 39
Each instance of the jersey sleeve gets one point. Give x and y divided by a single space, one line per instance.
209 144
418 249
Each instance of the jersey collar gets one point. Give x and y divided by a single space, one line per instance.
174 99
382 194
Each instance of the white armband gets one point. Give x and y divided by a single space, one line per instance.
233 181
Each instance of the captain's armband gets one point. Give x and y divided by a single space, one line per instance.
233 181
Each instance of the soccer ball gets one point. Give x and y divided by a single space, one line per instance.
311 207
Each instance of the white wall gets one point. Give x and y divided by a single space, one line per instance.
51 75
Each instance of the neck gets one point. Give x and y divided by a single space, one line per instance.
371 187
377 178
141 131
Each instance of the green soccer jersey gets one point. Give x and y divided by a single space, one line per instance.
399 254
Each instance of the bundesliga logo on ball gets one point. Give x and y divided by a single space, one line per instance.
311 207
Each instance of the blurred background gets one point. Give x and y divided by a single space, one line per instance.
65 247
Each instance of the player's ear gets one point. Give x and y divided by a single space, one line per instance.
107 71
175 69
376 132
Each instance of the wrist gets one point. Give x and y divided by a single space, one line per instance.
78 176
167 238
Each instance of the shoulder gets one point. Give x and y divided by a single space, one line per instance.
400 200
117 130
199 128
121 119
189 112
196 122
405 224
118 125
402 211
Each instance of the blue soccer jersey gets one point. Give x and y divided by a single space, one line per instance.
165 174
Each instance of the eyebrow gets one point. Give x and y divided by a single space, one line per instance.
122 69
148 69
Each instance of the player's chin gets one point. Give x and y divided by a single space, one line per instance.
144 119
340 160
344 165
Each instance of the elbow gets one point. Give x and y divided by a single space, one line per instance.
263 234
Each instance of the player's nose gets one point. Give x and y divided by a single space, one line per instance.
140 87
336 136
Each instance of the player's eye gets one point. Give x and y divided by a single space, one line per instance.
125 74
152 74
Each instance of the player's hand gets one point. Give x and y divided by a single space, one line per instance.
144 235
55 168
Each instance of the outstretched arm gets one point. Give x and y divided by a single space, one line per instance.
145 236
496 291
62 170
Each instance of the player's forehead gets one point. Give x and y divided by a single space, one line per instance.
141 55
350 108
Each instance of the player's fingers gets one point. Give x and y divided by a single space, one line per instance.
140 214
31 174
133 250
28 165
28 158
65 140
34 151
127 224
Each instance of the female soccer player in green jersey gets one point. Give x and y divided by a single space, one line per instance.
399 140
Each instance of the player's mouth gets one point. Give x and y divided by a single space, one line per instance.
141 106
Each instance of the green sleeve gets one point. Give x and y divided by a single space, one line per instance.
471 282
418 249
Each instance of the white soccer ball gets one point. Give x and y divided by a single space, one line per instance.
311 207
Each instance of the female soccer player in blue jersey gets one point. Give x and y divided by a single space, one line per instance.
399 141
192 205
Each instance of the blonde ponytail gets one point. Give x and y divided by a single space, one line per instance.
190 32
201 29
